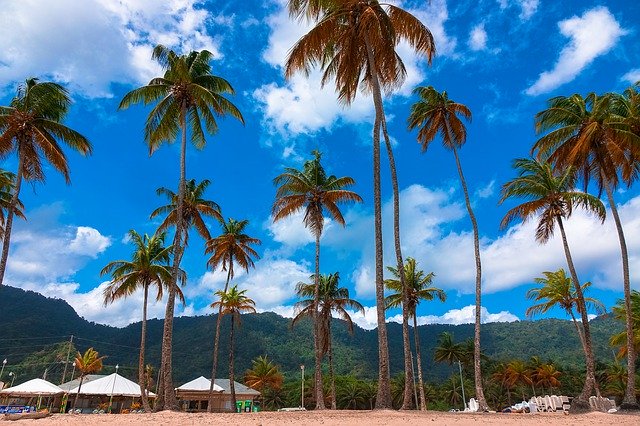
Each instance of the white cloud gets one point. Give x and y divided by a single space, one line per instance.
527 7
88 242
465 315
291 231
633 76
487 191
478 38
302 106
90 44
591 35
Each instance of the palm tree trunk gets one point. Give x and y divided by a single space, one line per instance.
383 398
578 329
407 403
216 341
75 401
416 338
141 375
319 394
232 383
629 401
168 392
581 403
6 237
477 371
332 376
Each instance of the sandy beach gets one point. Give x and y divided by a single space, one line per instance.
328 418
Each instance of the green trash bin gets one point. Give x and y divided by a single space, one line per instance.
256 408
247 405
239 406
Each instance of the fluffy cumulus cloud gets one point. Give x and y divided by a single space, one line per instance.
302 106
271 284
633 76
478 38
591 35
112 39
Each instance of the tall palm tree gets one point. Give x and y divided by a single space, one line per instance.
620 313
546 376
186 92
232 246
233 303
354 43
149 266
333 299
264 375
311 190
419 287
556 290
31 126
436 114
87 363
550 194
500 375
594 135
7 188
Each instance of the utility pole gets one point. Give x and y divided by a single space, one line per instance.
64 373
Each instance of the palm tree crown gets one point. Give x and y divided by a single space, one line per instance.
195 207
418 283
234 302
551 195
232 245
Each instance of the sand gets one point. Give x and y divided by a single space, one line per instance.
335 418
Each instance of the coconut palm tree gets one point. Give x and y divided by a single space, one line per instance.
551 196
89 362
333 299
556 290
186 92
517 372
500 375
31 127
436 114
233 303
620 313
594 135
419 287
7 188
354 43
312 191
149 266
546 376
264 375
231 246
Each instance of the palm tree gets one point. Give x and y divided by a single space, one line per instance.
551 196
233 245
419 287
435 113
354 43
546 376
233 302
517 372
501 375
311 190
186 92
595 136
264 375
88 363
556 289
7 188
450 352
149 265
333 299
620 313
31 126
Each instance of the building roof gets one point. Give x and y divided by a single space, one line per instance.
240 388
113 384
33 387
75 382
199 384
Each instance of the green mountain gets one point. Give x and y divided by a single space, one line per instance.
34 329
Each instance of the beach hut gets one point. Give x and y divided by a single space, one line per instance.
114 388
194 395
32 392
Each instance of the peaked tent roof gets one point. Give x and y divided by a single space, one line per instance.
240 388
200 384
113 384
72 384
33 387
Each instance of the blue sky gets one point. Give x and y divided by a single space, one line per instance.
501 58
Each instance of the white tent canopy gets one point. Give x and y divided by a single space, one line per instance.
34 387
200 384
113 384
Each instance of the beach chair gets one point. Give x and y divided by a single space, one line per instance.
549 403
473 405
533 407
612 406
540 403
593 403
565 403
